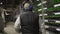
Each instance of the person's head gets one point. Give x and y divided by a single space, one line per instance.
28 6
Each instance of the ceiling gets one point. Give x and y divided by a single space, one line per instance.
11 3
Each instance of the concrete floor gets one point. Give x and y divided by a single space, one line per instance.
10 29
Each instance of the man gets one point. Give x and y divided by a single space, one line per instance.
29 21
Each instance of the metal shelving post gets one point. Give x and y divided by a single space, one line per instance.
43 23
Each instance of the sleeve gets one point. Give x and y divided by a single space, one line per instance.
17 24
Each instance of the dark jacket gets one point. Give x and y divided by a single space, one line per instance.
29 23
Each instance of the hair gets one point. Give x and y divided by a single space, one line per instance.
26 6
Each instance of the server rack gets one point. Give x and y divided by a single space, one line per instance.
52 22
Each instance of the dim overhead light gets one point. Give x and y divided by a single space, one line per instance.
58 29
45 20
37 0
57 21
41 3
57 13
39 9
1 3
44 14
56 5
43 8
